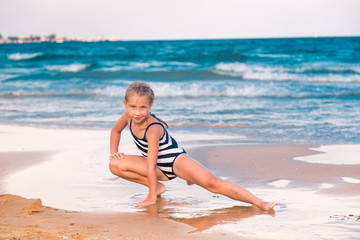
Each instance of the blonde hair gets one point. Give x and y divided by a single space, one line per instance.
142 89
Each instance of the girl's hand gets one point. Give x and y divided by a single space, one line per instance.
145 203
117 155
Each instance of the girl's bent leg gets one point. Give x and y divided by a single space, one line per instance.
189 169
134 168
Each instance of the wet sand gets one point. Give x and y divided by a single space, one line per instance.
313 202
257 164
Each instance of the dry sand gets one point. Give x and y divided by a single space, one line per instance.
28 219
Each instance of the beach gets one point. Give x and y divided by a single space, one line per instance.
55 184
279 117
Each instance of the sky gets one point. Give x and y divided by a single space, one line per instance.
180 19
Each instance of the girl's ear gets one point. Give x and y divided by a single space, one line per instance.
124 104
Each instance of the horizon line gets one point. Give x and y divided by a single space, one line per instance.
113 39
242 38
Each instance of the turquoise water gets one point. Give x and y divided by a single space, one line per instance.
264 90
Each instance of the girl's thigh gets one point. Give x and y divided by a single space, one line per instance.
136 164
191 170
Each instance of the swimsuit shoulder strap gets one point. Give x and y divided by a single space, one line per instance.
130 127
147 128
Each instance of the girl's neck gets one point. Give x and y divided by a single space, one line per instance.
141 125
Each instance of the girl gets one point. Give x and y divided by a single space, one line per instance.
163 158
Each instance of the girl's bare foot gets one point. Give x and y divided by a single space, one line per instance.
146 202
266 206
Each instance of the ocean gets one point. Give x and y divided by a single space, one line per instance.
295 90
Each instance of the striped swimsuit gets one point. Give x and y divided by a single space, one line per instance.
169 150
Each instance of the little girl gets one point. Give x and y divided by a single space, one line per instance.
163 158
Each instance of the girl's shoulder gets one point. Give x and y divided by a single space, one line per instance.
154 128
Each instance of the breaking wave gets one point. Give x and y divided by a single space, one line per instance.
308 73
23 56
74 67
188 90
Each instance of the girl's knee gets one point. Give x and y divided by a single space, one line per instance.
116 167
112 167
214 184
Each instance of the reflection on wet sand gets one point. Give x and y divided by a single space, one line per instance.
202 220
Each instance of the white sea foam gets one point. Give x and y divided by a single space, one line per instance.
75 67
256 72
350 180
199 89
162 91
115 66
134 66
273 55
328 67
6 76
110 91
354 68
23 56
232 68
280 183
308 73
169 90
334 154
326 185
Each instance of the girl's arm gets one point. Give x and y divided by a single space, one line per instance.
115 136
152 136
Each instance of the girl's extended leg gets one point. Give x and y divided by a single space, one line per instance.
189 169
134 168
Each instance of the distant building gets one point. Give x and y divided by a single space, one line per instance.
36 38
50 38
13 39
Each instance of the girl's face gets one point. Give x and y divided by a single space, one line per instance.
138 108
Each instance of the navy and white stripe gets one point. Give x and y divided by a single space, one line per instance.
169 150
